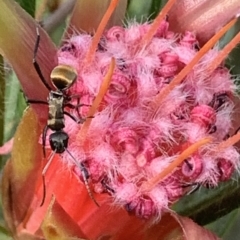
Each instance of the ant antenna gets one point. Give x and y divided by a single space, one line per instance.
85 176
43 176
44 190
35 63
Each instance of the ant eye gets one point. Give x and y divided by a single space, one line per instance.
63 76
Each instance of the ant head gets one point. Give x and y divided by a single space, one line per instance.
58 141
63 76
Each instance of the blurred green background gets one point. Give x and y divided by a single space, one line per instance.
217 209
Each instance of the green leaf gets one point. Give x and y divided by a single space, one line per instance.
207 205
227 227
4 236
14 106
28 6
156 6
139 11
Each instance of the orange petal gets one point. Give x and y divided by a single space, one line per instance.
20 173
193 231
58 225
7 199
171 226
73 197
94 222
27 236
204 17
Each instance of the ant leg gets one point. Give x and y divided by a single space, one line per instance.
43 176
35 63
77 106
106 186
33 101
44 135
77 120
85 176
72 106
69 98
195 186
44 190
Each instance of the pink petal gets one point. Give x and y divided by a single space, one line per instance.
193 231
7 147
204 17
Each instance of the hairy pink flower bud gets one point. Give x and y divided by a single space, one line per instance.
116 33
189 40
204 116
192 167
226 169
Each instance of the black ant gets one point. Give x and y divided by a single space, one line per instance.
62 77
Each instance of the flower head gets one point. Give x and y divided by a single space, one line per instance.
143 135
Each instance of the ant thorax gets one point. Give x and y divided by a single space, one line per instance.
56 113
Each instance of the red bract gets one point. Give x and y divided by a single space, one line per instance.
157 110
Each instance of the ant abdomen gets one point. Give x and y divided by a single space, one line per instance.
63 76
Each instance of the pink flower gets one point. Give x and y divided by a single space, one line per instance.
134 136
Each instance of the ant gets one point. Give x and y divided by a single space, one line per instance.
62 77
